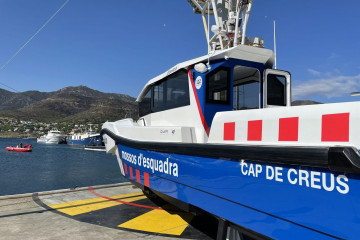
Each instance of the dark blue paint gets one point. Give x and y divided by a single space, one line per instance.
276 209
209 110
93 141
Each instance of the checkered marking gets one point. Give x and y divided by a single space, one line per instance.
334 128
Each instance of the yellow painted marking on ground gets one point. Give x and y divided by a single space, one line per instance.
160 221
89 205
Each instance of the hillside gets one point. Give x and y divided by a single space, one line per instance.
73 104
66 105
13 101
304 102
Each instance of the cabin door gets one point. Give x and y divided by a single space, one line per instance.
218 94
276 88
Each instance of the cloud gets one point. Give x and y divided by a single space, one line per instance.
333 56
314 72
332 86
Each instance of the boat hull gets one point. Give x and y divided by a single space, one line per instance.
276 200
54 140
41 140
89 141
15 149
95 148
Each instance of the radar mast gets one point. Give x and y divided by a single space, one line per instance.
231 19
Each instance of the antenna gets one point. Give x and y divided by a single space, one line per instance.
208 35
275 44
237 23
229 27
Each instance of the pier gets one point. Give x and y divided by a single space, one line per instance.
119 211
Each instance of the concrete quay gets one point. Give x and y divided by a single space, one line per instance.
118 211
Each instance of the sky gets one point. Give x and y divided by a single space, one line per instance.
117 46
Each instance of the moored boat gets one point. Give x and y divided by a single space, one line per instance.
218 133
84 139
41 139
26 148
95 148
88 138
54 136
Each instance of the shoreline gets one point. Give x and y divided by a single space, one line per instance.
16 136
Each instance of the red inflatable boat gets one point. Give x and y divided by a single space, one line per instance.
18 149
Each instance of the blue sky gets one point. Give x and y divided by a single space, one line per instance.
117 46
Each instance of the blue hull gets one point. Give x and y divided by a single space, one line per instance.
278 201
92 141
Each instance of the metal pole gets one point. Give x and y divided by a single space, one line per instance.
208 31
217 22
237 24
248 10
208 63
275 45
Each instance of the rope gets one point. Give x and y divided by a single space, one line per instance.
28 41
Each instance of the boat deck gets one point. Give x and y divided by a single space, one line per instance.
103 212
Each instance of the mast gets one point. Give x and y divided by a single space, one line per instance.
275 44
237 21
231 18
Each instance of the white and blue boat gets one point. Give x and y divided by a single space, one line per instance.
218 133
87 138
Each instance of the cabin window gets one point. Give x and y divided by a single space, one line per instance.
218 86
246 90
171 93
276 90
145 104
158 96
177 93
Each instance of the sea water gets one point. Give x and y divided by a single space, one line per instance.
52 167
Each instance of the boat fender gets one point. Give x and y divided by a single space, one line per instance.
344 159
201 68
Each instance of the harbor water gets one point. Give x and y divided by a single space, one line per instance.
51 167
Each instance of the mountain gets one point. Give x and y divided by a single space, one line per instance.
67 104
73 104
304 102
13 101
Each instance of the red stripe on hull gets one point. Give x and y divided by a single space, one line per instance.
229 131
289 129
254 130
335 127
131 172
203 121
138 176
146 179
125 167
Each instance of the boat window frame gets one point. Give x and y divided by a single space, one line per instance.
164 81
140 104
228 88
287 76
258 74
165 106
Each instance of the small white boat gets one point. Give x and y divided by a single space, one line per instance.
95 148
53 137
41 139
